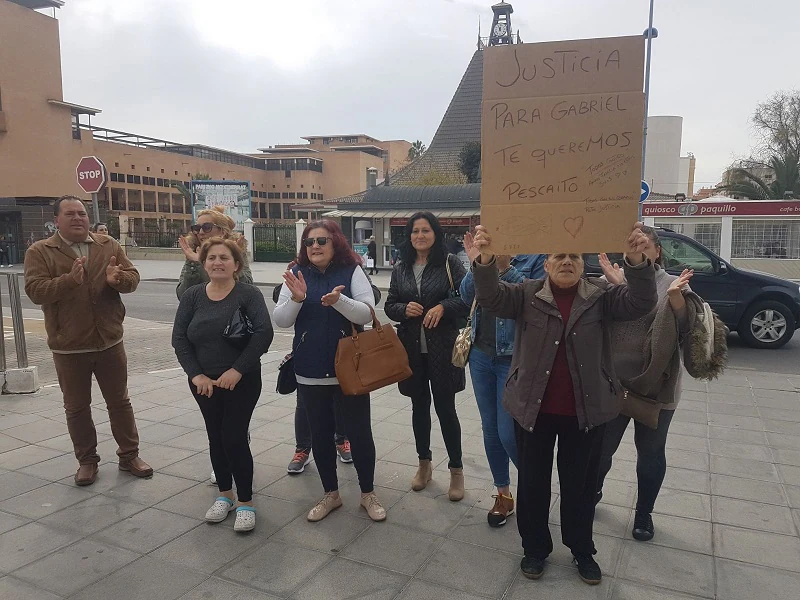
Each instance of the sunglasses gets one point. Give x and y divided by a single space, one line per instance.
205 228
321 241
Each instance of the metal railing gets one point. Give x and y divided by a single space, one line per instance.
154 239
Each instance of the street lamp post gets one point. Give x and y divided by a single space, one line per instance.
649 33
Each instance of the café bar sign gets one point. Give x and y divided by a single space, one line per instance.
734 208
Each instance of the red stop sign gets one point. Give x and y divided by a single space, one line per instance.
91 173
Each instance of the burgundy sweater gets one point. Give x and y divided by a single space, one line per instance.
559 395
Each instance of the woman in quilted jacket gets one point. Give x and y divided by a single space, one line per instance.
423 298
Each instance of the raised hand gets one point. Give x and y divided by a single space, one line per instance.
113 272
469 247
296 284
414 310
482 240
333 297
613 272
190 254
637 244
78 272
677 286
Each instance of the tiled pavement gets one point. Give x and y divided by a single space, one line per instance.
727 522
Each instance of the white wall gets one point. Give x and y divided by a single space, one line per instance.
663 158
683 175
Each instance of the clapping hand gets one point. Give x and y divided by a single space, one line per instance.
296 284
77 271
680 283
113 272
333 297
190 254
613 272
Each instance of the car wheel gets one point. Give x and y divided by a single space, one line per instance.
767 324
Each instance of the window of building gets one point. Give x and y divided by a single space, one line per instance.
302 186
285 195
176 172
708 234
253 194
765 238
262 194
116 164
129 179
113 177
254 210
133 167
313 196
274 210
162 170
160 182
287 173
148 169
287 211
319 197
273 186
137 180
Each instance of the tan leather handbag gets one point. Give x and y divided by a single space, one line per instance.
463 345
640 408
370 360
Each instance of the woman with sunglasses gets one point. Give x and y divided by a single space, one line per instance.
211 222
322 295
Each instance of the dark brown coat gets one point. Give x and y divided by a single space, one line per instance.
540 329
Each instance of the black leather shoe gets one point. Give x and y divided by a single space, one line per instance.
588 569
643 529
532 567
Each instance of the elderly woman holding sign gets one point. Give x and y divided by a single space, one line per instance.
562 386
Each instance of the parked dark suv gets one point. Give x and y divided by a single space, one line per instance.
763 309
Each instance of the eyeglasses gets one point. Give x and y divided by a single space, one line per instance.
321 241
205 228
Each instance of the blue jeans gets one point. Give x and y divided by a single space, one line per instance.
489 376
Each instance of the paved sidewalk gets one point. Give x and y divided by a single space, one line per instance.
726 524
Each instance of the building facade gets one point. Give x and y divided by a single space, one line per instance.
666 170
42 138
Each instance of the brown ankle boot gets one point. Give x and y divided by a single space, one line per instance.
456 491
423 476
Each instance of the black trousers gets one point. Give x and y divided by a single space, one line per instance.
320 402
227 415
651 456
578 465
445 405
302 426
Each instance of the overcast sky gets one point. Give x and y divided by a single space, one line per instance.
243 74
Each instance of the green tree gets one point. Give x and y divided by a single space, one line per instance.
748 180
469 161
417 149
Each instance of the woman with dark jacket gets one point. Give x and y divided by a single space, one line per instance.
562 385
423 298
628 340
321 298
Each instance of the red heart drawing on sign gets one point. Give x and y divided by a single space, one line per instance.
573 226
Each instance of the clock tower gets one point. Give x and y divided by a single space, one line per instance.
500 35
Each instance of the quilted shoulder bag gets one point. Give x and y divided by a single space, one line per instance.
369 360
463 345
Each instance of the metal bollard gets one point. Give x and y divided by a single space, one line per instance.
16 319
2 337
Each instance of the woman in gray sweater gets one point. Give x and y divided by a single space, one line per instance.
224 375
627 340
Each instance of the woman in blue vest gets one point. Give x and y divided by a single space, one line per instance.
322 296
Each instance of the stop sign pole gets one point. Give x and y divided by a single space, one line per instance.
91 175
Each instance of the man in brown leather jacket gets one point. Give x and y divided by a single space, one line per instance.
562 385
77 277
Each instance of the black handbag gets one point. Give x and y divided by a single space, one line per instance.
287 380
238 330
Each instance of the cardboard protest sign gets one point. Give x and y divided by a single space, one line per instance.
561 148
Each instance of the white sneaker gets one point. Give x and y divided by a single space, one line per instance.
213 478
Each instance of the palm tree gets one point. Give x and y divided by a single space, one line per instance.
785 184
417 149
184 191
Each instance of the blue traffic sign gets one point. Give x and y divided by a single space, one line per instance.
645 191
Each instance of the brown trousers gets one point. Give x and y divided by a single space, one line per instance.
110 368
